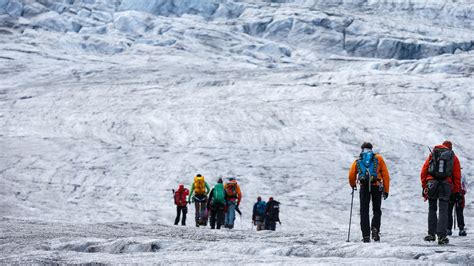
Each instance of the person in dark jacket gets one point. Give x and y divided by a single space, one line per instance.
216 205
258 214
272 211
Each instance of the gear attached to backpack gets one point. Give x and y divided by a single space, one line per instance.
231 190
441 163
218 194
261 208
367 167
199 185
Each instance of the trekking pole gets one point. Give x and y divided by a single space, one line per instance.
350 217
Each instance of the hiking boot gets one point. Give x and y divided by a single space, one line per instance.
449 232
375 234
430 237
443 240
462 232
366 239
197 224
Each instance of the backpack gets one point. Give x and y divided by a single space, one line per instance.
199 185
367 166
231 190
219 194
441 163
180 197
274 210
261 208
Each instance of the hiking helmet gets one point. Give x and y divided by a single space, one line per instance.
219 180
366 145
270 199
198 175
448 144
259 198
180 187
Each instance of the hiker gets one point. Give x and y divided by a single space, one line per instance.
181 203
233 198
216 204
440 177
372 175
457 203
258 214
200 189
272 213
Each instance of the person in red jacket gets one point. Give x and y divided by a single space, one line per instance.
181 203
440 176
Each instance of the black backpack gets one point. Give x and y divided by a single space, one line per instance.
441 163
274 210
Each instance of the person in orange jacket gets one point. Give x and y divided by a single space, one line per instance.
371 172
233 197
440 176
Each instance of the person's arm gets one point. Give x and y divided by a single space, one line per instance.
211 195
383 171
207 187
191 193
353 174
424 172
239 195
254 212
456 175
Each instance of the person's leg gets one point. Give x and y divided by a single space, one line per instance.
272 225
364 197
267 224
460 213
213 218
376 208
178 212
196 215
450 214
444 195
230 216
220 216
185 211
432 217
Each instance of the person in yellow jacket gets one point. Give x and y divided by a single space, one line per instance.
372 175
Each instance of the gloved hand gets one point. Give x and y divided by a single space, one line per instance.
385 195
424 193
279 222
354 188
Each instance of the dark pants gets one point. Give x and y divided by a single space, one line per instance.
200 204
180 209
365 196
217 216
459 213
270 224
438 194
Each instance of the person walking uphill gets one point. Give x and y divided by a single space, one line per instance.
233 198
272 214
372 174
216 204
440 176
258 214
181 203
200 189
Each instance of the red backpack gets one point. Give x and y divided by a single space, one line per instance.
180 197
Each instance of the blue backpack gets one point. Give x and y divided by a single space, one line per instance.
367 166
261 208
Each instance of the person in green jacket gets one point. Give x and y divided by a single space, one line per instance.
216 204
199 191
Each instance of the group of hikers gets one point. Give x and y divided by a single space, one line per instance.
441 181
442 186
219 205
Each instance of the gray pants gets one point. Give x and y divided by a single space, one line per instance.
438 192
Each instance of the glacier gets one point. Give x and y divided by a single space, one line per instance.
106 105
